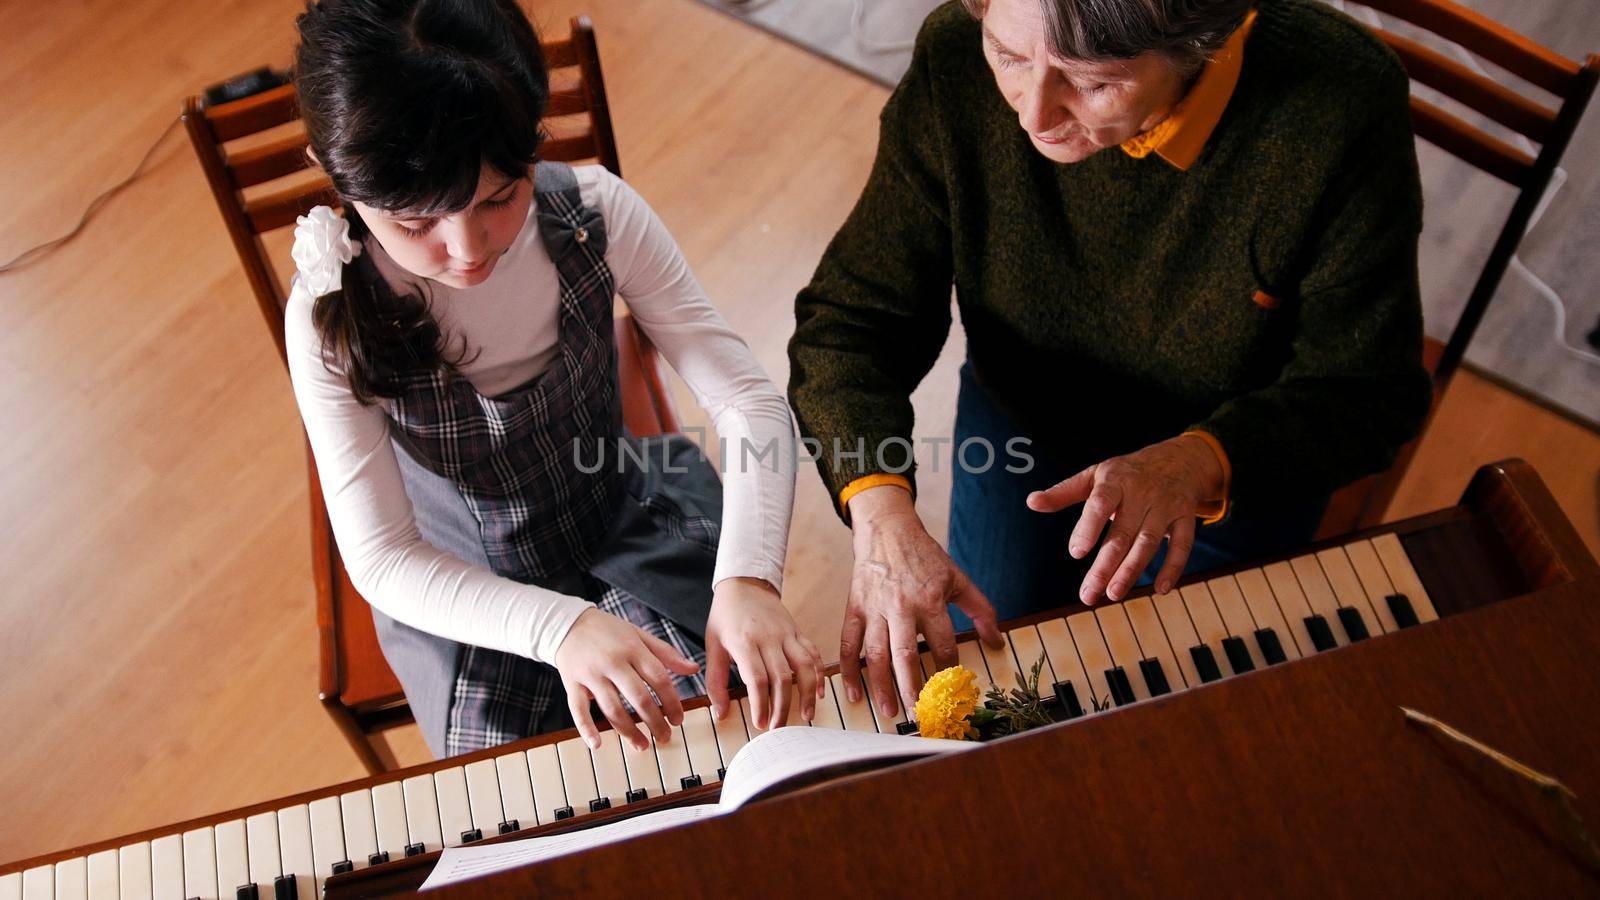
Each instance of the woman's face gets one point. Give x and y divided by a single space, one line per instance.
1072 109
458 250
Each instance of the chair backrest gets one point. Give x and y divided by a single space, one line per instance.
1569 82
253 155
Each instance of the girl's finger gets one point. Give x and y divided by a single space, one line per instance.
754 675
578 698
669 655
779 678
805 671
656 675
605 695
717 677
633 687
816 663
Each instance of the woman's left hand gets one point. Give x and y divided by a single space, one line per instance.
750 628
1146 496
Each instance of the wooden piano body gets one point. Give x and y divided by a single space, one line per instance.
1302 777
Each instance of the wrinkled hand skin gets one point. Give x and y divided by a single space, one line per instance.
1145 497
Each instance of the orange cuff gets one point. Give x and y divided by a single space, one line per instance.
869 481
1214 509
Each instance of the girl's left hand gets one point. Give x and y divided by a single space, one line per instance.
750 628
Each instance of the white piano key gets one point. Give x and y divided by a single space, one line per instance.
610 770
1180 633
483 793
103 877
327 838
1027 649
827 714
200 864
700 738
455 811
294 847
1292 600
133 871
673 757
1208 625
516 789
1003 667
1096 659
1123 646
360 827
1236 616
166 867
422 814
1319 595
887 724
266 859
1404 576
390 820
731 736
39 883
1347 586
577 773
233 858
644 773
71 879
1056 636
857 716
1153 640
971 656
11 886
1374 581
549 792
1264 609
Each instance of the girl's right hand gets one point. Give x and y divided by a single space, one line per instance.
605 659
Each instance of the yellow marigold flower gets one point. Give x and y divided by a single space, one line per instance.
946 704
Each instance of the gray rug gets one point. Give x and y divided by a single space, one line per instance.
1533 336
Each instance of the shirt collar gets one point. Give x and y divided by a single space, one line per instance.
1181 136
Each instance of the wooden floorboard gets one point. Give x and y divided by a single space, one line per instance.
157 644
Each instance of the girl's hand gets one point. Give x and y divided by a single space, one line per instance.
750 627
606 659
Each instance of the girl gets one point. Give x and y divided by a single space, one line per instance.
452 355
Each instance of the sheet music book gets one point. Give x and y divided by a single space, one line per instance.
771 760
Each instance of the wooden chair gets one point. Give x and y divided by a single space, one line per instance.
1363 504
253 154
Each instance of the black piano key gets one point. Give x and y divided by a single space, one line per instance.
1069 699
1238 655
689 781
415 849
1321 635
378 859
637 794
284 888
475 834
1354 628
1404 615
722 773
343 866
1121 688
564 812
1205 664
1154 677
247 892
1271 648
509 826
906 727
599 804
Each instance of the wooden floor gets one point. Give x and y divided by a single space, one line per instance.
157 653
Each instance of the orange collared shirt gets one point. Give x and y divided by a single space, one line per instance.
1181 136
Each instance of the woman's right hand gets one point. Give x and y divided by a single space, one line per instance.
607 660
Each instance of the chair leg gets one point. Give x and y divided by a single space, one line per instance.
365 745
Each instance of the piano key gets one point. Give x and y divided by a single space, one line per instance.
1271 647
1205 664
359 834
1374 581
1292 602
455 810
39 883
1320 633
166 866
644 773
1400 608
133 871
1404 578
1028 648
516 789
71 878
673 757
827 713
1065 661
731 736
887 724
700 737
857 716
327 838
1153 641
610 772
549 792
1240 659
1264 608
294 843
1355 624
971 656
266 859
1067 695
483 795
1208 625
103 875
1124 649
1319 594
1121 687
1180 634
233 858
422 814
1003 667
577 773
1236 615
390 819
1096 659
1347 586
1155 677
200 864
11 886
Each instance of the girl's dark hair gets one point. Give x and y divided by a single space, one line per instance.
404 101
1188 32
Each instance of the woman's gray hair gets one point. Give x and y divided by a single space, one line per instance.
1188 32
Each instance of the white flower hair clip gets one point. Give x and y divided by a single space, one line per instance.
322 247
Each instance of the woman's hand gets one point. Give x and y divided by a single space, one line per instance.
1149 495
902 584
750 628
606 659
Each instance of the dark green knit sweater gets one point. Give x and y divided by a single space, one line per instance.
1109 304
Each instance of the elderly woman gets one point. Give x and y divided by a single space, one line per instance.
1182 235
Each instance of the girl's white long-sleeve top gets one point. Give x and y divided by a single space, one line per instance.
510 325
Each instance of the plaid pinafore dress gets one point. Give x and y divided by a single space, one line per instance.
543 486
